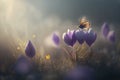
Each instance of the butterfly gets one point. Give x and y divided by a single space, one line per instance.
84 23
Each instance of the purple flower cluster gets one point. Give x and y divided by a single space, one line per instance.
110 35
80 35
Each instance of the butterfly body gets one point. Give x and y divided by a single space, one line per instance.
84 24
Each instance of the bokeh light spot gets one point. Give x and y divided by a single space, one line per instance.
47 57
18 48
33 36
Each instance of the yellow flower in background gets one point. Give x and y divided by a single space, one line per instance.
47 57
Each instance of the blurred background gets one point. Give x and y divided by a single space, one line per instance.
37 20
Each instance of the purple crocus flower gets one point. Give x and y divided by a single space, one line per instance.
80 36
69 37
90 37
111 36
81 73
85 35
105 29
30 50
56 39
22 65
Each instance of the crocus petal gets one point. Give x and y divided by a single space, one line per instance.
56 39
111 36
70 33
69 38
30 50
105 29
80 36
90 37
